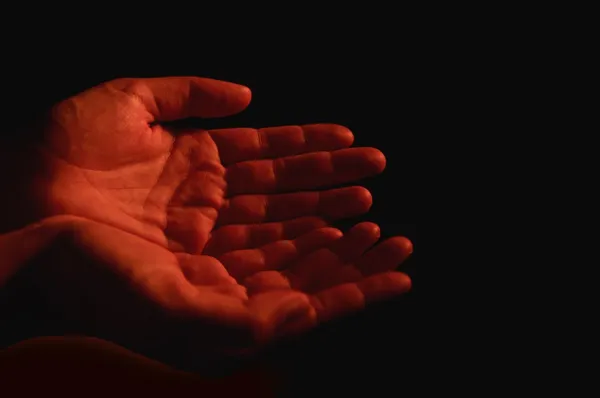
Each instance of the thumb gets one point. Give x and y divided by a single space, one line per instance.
281 313
173 98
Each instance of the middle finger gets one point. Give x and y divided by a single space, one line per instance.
303 172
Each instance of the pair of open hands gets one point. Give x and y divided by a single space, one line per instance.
217 239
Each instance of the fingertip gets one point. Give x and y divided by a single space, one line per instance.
245 94
396 282
366 228
218 98
228 289
345 135
376 160
404 281
332 233
324 232
317 239
327 136
404 243
363 197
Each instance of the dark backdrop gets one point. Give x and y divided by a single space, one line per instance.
381 103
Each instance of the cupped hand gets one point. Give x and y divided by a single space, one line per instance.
109 155
89 278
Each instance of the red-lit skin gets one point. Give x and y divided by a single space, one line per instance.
83 366
214 226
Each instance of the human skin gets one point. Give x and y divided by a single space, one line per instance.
77 365
210 239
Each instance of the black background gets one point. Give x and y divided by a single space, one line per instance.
382 103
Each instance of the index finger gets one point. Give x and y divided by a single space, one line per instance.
241 144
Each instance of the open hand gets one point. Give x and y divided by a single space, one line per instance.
108 156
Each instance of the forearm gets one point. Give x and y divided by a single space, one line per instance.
21 256
18 201
17 248
81 363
